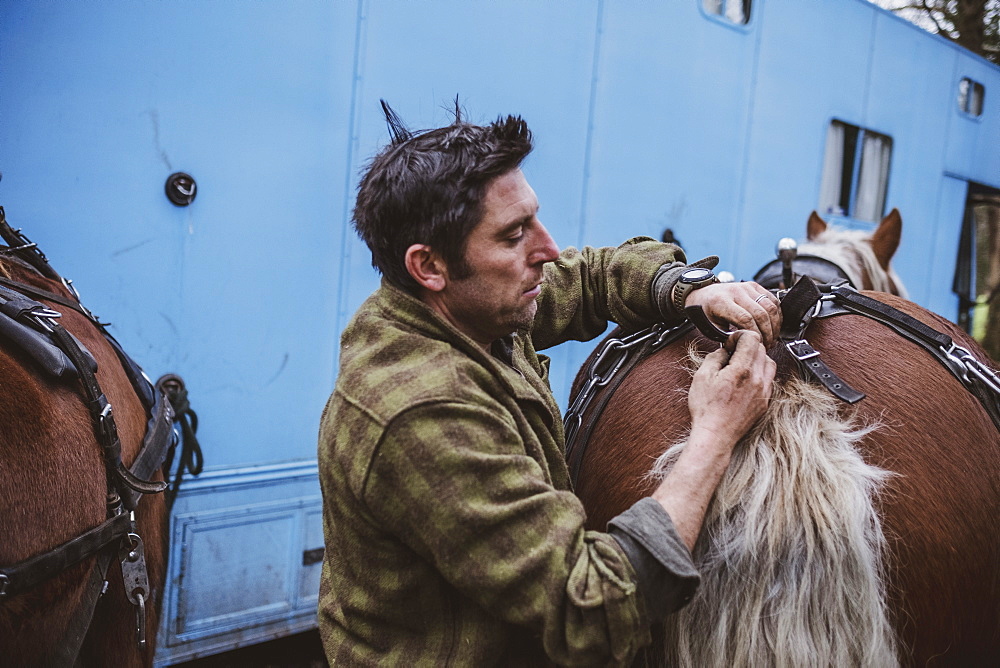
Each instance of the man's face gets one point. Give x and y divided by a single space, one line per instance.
505 253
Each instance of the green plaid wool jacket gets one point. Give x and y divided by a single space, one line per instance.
452 533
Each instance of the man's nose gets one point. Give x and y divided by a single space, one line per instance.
545 249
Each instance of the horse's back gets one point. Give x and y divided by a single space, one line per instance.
938 510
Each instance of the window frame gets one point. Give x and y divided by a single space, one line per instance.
857 157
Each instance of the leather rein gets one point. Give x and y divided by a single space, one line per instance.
803 303
35 328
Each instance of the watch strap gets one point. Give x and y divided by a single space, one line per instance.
662 286
681 291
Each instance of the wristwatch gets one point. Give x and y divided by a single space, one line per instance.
690 280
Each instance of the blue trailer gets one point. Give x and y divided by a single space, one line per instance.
727 122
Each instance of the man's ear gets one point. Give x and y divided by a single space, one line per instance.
426 267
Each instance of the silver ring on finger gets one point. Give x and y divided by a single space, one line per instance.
759 297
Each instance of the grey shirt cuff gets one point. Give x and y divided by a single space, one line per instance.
662 563
662 287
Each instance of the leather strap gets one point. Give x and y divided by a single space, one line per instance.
27 574
892 317
39 293
938 344
696 315
809 360
795 308
25 248
578 439
68 647
821 270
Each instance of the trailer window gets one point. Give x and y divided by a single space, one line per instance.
737 11
970 96
855 172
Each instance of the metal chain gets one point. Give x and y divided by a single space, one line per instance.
609 360
964 362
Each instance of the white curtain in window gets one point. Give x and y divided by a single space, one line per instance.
873 179
976 101
833 168
713 6
737 11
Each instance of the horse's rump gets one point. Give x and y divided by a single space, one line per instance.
53 488
927 470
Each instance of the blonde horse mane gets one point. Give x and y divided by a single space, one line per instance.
852 251
791 549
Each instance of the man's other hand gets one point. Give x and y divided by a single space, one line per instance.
729 393
740 306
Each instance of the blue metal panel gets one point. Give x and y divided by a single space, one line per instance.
970 152
919 139
100 103
936 292
237 568
231 291
660 66
813 63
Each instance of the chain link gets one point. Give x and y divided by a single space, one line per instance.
608 362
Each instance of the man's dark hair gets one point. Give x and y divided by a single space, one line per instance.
427 187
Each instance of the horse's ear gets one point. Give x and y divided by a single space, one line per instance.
815 227
885 241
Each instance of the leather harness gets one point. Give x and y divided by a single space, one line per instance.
802 304
34 328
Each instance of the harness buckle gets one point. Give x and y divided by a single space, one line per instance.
801 350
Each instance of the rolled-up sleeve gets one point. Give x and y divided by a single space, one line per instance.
586 288
665 572
453 482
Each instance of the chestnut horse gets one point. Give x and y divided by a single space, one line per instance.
862 534
54 487
831 253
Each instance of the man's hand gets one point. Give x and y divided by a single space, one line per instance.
729 393
742 305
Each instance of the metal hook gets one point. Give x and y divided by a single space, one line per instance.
140 621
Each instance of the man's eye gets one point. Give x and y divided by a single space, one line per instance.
517 236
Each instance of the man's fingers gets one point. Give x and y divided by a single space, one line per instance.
763 311
730 344
743 305
767 313
715 360
748 343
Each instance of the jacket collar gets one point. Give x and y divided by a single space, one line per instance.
401 306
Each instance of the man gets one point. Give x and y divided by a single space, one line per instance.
452 534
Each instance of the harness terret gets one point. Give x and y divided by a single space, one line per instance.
34 327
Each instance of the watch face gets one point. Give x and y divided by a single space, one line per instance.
695 275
